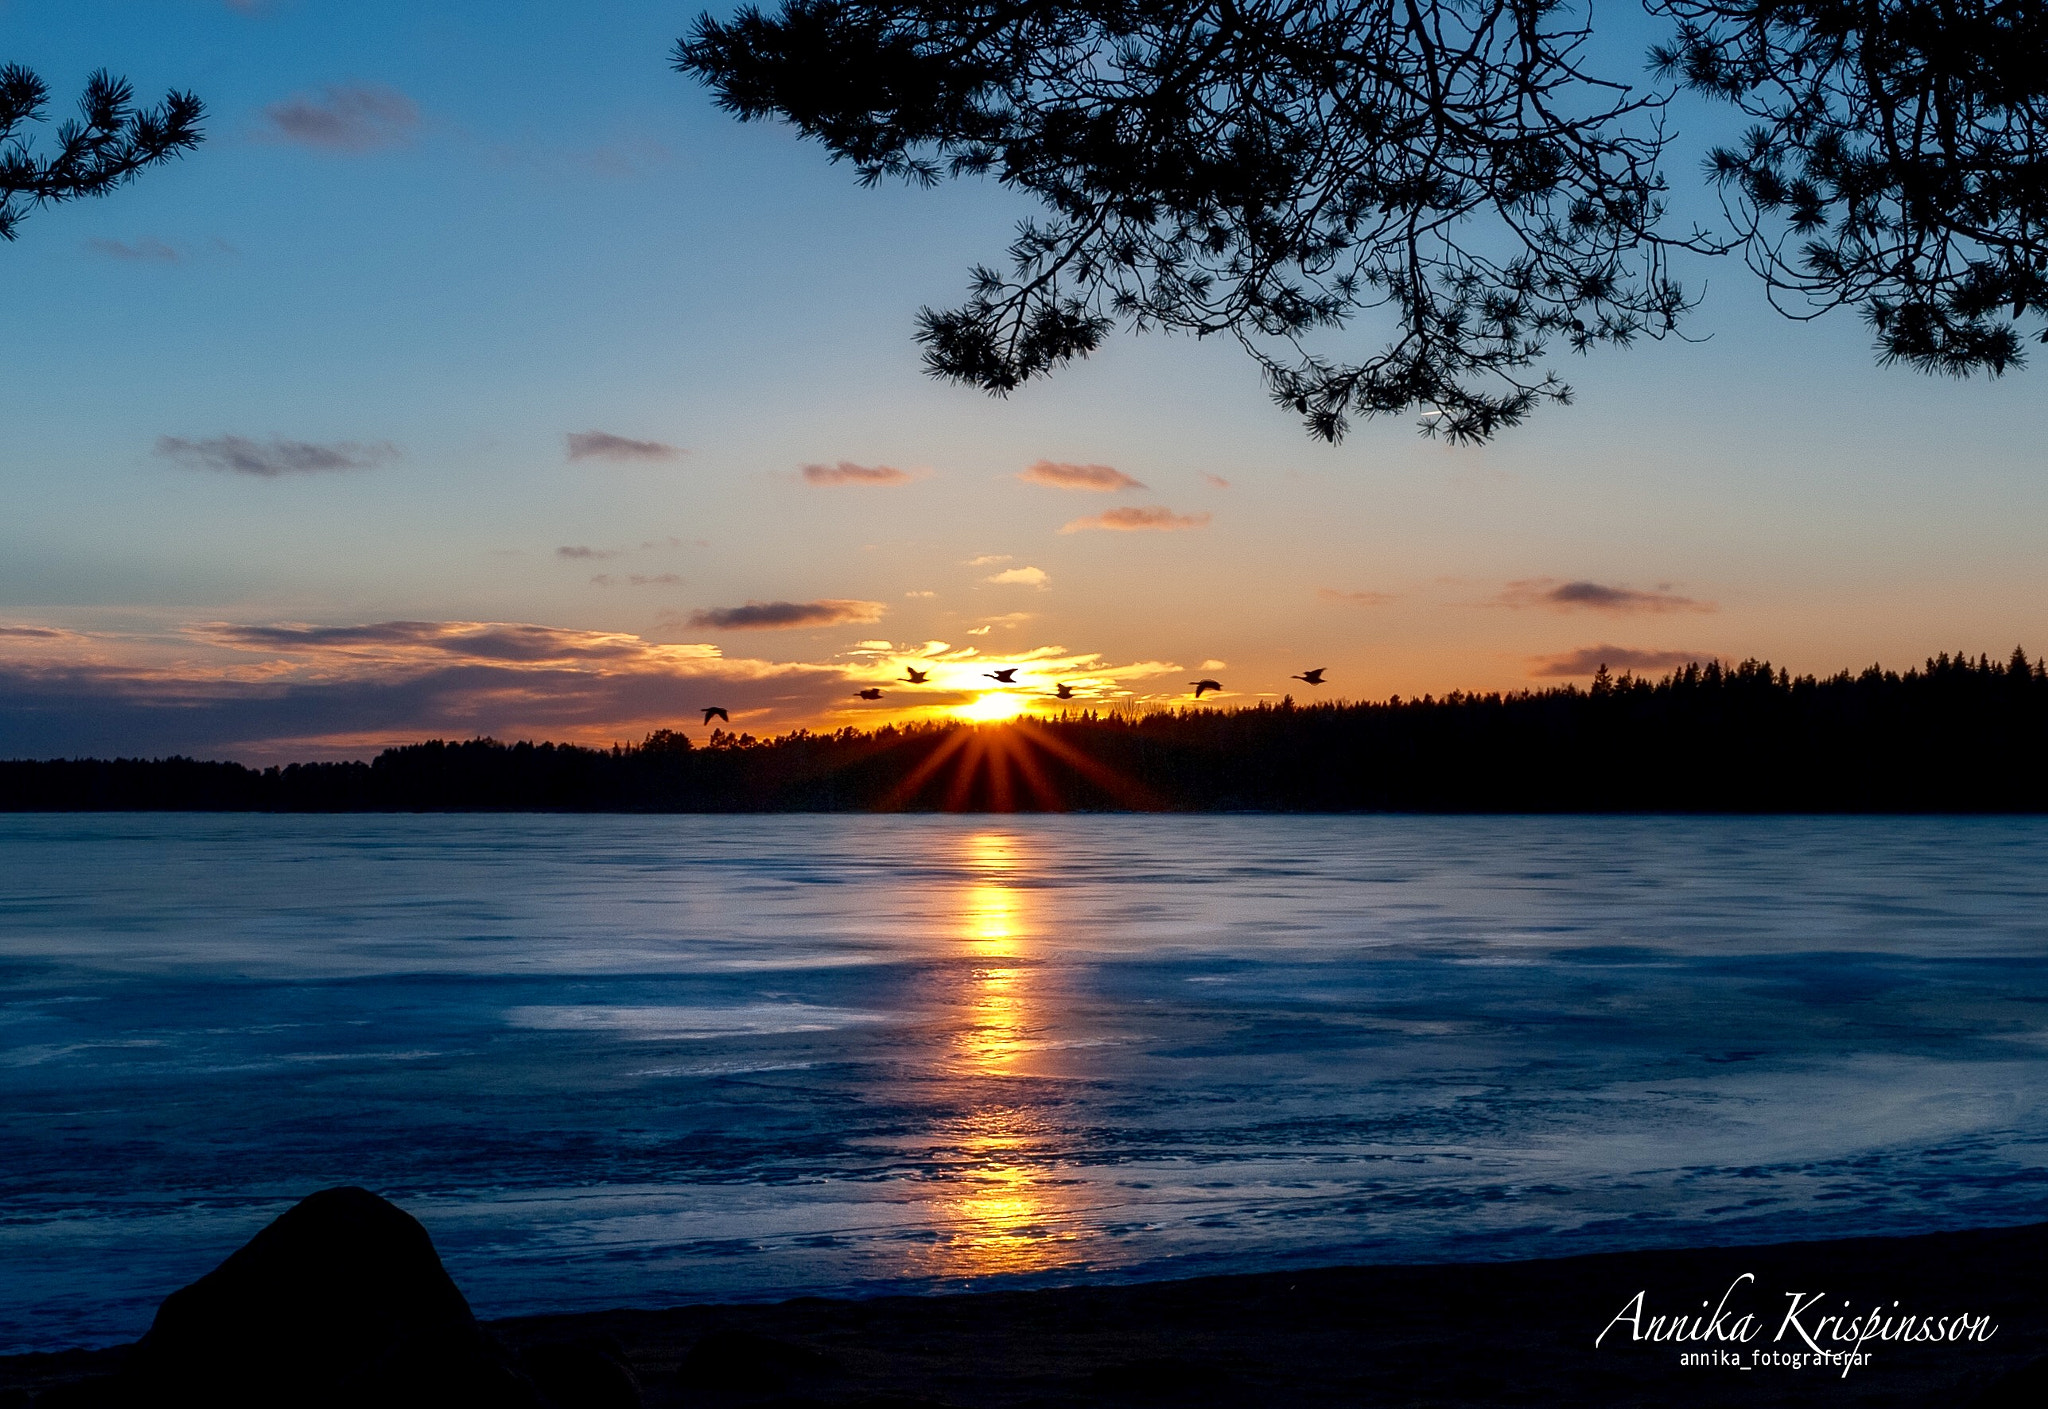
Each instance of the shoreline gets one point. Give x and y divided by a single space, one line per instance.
1450 1334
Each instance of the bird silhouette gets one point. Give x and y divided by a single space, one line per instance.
1065 692
712 712
1204 686
1313 677
871 693
914 675
1005 676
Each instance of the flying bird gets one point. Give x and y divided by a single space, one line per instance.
1065 692
914 675
1313 677
1204 686
712 712
871 693
1005 676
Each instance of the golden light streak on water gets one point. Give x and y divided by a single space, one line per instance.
1002 1209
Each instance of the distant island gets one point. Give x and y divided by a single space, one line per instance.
1957 735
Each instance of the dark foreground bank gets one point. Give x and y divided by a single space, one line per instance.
1955 736
343 1302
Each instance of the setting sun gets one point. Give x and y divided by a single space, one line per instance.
995 705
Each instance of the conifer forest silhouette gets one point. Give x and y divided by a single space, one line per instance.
1957 735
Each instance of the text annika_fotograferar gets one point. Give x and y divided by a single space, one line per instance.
1808 1334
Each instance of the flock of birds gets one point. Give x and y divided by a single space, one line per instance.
1008 676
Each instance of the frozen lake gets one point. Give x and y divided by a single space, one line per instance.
644 1060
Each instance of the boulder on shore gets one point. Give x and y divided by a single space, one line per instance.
341 1301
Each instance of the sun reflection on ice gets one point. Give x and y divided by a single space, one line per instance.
1001 1209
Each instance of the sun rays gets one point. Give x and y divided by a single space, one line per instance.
1009 766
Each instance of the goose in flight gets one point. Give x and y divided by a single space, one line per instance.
712 712
915 676
1006 676
1064 692
871 693
1313 677
1202 687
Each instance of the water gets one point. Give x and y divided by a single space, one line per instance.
645 1060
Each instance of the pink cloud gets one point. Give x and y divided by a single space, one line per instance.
1096 478
1150 518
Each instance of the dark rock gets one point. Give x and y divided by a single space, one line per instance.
741 1362
340 1301
1158 1377
2024 1388
583 1375
102 1393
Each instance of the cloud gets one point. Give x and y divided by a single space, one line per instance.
986 558
846 472
1024 577
1594 596
358 117
145 249
240 455
603 445
1357 599
418 642
1217 481
1097 478
921 593
1588 659
1214 665
35 633
293 690
781 616
278 691
1134 520
579 550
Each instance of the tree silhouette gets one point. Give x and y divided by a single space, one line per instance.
1265 169
108 144
1899 162
1274 170
1957 734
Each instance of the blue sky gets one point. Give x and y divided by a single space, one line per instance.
451 235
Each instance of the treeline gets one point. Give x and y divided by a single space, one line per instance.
1956 735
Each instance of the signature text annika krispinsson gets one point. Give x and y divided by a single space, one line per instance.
1810 1335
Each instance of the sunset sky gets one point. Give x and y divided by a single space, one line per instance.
477 376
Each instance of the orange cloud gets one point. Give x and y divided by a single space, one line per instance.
1095 478
1152 517
846 472
271 692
